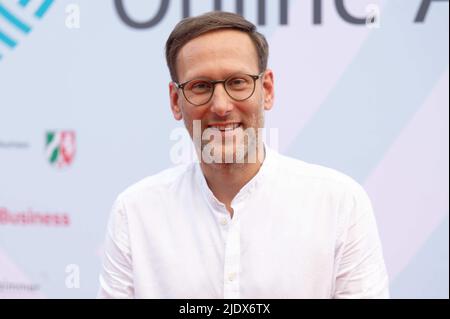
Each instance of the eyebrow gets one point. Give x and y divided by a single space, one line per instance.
212 79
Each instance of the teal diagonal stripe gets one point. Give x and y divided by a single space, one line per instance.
24 3
40 12
15 21
6 39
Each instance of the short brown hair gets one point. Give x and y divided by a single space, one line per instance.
190 28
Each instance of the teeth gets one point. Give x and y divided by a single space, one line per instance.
225 128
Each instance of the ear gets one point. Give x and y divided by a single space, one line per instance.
175 101
268 88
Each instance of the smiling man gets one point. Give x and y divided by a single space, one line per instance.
245 221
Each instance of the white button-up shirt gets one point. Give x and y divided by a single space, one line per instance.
298 231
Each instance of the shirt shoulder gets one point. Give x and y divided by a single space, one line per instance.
158 183
320 178
329 190
299 168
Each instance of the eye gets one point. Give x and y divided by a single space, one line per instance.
239 82
199 87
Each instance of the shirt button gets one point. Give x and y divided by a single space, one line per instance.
232 276
223 221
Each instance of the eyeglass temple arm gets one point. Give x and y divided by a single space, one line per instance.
181 85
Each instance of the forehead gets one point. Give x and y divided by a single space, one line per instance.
217 54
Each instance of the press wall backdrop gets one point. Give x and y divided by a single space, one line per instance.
361 86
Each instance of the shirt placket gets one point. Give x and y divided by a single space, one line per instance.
232 261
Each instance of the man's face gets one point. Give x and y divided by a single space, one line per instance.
215 56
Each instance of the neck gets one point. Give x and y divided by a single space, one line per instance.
226 180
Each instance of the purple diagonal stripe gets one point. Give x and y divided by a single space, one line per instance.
409 188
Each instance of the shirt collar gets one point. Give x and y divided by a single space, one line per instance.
252 185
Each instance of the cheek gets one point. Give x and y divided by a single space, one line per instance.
253 111
197 114
191 114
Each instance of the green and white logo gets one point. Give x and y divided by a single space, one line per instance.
60 147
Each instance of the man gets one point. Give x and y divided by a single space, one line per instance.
259 226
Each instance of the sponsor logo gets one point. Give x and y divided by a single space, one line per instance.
260 8
13 144
31 217
60 148
15 24
14 287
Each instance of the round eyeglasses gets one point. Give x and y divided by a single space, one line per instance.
239 87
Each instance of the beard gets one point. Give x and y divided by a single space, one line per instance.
241 144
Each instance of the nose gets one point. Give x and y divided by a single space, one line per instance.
221 103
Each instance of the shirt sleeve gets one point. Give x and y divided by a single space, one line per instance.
116 277
361 271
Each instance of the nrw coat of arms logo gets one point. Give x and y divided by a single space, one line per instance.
60 147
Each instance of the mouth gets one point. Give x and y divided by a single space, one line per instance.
225 127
